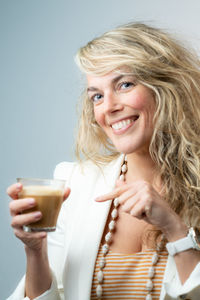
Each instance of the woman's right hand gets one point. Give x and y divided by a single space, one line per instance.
32 240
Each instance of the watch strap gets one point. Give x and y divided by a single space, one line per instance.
180 245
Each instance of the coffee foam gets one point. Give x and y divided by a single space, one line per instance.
41 190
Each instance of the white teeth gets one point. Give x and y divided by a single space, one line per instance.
121 124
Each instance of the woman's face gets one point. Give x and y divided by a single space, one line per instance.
124 110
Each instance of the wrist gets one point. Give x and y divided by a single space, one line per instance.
33 252
36 251
191 241
38 273
175 230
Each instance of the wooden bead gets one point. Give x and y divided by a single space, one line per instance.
105 248
99 291
114 213
155 259
100 276
148 297
112 225
116 202
149 285
124 168
108 237
151 272
102 263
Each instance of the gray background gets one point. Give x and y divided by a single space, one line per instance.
40 85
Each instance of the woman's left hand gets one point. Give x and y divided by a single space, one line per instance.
142 201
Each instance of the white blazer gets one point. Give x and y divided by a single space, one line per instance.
73 247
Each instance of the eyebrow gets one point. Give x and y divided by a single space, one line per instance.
113 81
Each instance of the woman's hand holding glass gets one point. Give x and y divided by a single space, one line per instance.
32 240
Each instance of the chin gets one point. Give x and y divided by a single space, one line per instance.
130 149
125 150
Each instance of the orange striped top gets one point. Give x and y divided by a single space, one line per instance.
126 275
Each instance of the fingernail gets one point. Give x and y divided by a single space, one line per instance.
19 185
99 200
37 215
31 201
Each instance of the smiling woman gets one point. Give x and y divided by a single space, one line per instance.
123 109
123 231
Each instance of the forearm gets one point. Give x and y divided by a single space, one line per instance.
38 274
186 261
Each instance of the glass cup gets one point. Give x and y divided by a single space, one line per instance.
48 195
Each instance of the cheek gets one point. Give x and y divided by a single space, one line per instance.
143 102
98 117
137 102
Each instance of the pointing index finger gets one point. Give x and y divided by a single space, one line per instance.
115 193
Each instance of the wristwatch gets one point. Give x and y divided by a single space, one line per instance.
191 241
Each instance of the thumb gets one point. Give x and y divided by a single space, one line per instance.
66 193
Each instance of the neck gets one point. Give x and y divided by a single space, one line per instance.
140 167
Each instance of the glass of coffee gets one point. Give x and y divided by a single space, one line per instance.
48 194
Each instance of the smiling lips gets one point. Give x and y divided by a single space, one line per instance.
124 123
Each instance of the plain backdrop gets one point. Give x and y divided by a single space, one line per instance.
40 86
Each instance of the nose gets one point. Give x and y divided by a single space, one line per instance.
112 102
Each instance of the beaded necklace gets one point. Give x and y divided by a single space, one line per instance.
106 247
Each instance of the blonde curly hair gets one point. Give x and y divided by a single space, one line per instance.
172 72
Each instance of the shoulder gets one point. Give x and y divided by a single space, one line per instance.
67 170
70 171
64 170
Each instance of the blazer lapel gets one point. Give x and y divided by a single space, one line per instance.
88 232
